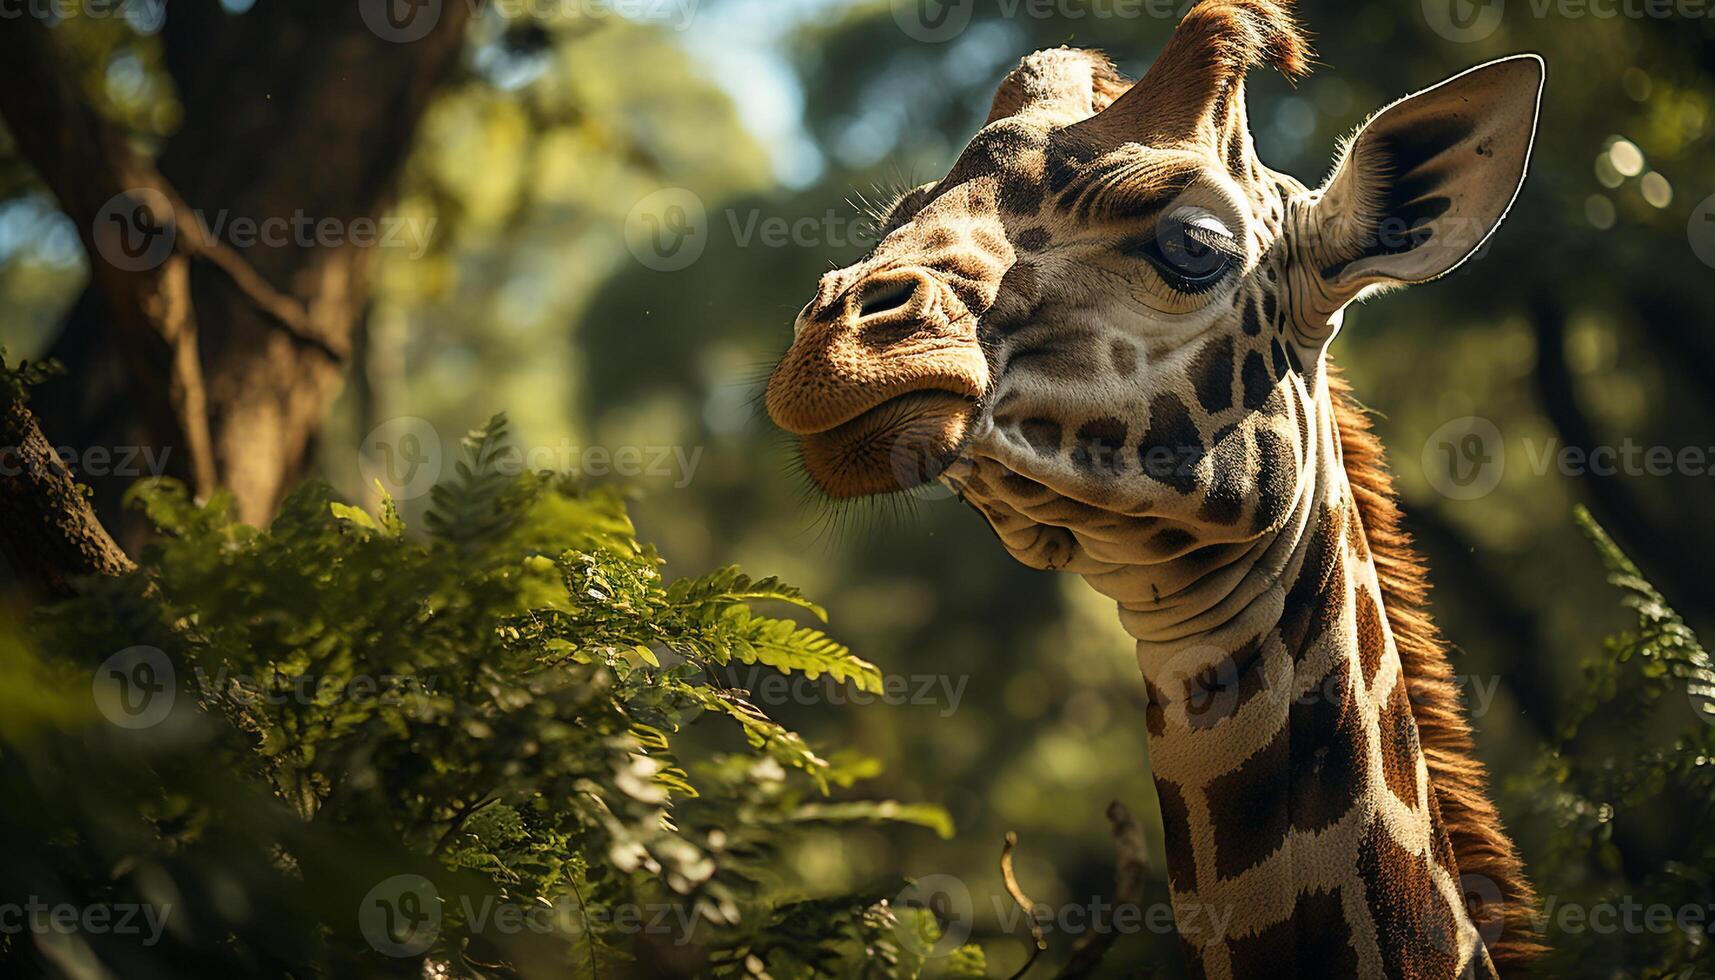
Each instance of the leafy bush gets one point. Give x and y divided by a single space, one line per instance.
334 748
503 748
1606 916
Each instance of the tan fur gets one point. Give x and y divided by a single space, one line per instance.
1480 843
1204 65
985 297
1232 38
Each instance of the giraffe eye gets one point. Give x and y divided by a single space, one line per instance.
1192 249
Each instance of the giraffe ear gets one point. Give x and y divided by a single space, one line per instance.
1425 182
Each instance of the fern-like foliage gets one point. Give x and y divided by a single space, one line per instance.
1652 690
471 506
16 381
517 709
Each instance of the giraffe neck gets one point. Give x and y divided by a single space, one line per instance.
1302 836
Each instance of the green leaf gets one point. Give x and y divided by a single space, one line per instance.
356 515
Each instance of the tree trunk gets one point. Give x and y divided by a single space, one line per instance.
297 123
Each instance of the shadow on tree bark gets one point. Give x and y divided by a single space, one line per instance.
225 359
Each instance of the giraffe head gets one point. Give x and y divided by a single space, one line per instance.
1110 313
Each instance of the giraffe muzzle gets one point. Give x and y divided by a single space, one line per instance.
881 383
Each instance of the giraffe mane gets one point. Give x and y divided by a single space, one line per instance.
1456 777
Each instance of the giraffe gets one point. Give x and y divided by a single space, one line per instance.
1106 328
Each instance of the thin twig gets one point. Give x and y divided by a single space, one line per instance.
1130 864
1024 902
286 313
459 818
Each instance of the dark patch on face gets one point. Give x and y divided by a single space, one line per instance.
1252 326
1176 828
1407 908
940 238
1100 445
1399 746
1172 447
1207 556
1257 383
1372 637
1326 738
1217 692
1043 435
1068 156
1224 499
1315 940
1172 541
1276 479
1034 239
1021 486
1020 193
1124 357
1212 373
1063 167
1004 149
1016 301
1278 354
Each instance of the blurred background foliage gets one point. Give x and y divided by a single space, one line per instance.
1586 322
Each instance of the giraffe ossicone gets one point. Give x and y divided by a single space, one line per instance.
1106 328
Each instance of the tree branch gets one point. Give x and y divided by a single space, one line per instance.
49 533
1131 862
95 176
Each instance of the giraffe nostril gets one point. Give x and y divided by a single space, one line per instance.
884 297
